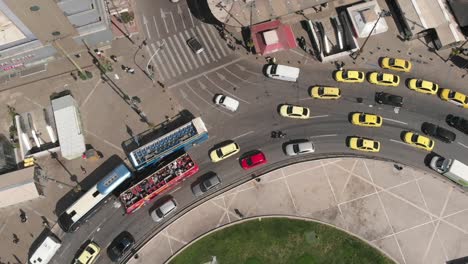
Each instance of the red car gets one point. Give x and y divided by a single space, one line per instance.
253 160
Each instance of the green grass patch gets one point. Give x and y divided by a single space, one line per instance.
280 240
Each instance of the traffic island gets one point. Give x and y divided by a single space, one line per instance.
279 240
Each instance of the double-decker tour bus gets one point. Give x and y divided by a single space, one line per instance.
162 180
183 137
86 205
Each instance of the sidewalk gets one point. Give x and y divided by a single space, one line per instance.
107 121
412 216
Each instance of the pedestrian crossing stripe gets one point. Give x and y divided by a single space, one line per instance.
176 57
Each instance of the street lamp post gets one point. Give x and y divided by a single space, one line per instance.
383 13
152 56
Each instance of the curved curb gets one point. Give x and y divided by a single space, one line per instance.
252 175
274 216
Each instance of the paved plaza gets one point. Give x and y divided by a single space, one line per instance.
411 215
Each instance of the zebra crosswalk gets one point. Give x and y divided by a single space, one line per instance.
174 57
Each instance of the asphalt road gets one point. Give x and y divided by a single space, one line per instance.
257 116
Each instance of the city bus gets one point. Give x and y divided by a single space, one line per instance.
183 137
86 205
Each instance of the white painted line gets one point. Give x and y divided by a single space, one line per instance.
177 40
171 55
173 21
161 63
328 135
173 191
167 62
145 22
463 145
184 95
163 15
211 104
177 53
179 11
202 74
214 34
245 134
89 95
204 88
156 26
237 76
393 120
191 17
231 94
399 141
242 68
319 116
199 58
186 49
201 38
210 42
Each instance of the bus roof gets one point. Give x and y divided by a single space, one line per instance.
113 179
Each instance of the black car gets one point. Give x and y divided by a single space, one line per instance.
120 245
438 132
389 99
457 122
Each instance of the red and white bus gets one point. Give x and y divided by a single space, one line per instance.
158 182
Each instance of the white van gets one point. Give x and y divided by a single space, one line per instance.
226 102
282 72
45 251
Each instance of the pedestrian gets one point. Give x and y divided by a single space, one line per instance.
23 216
83 169
131 70
114 58
15 239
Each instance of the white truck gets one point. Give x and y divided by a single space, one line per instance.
451 168
45 251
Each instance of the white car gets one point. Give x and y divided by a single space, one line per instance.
227 102
294 149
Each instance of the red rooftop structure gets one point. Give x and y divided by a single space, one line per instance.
272 36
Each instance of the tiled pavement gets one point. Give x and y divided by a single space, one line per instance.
413 216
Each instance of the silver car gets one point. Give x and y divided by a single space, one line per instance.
299 148
162 211
205 185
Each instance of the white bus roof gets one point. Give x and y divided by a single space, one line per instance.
45 251
69 130
86 202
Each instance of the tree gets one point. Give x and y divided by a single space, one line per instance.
127 17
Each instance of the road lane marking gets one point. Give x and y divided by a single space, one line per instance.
225 90
173 191
245 134
156 26
186 48
171 55
212 105
399 141
396 121
203 73
327 135
184 95
463 145
188 35
319 116
207 32
207 50
177 53
145 22
191 17
177 40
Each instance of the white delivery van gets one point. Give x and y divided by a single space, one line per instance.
227 102
282 72
45 251
451 168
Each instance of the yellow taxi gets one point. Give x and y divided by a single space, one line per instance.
418 141
385 79
456 98
324 92
365 119
364 144
423 86
294 111
224 152
349 76
89 254
396 64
